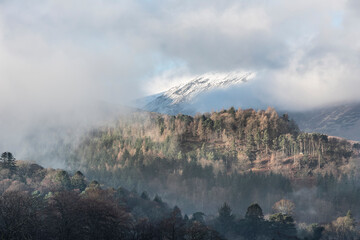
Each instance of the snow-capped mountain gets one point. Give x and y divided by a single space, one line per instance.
214 91
184 98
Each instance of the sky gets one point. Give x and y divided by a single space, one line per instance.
59 56
97 50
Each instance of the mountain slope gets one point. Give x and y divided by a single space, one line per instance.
215 91
341 120
180 99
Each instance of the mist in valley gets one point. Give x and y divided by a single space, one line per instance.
71 71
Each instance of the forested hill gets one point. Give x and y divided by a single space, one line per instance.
237 156
227 141
39 203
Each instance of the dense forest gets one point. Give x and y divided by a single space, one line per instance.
233 174
234 156
39 203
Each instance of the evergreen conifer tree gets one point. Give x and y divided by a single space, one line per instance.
8 161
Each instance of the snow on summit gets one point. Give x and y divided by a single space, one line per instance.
177 99
204 83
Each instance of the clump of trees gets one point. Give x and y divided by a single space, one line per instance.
280 225
284 206
254 225
7 161
342 228
54 204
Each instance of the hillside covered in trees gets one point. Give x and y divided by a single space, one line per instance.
234 156
39 203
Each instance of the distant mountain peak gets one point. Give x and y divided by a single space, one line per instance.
177 99
206 82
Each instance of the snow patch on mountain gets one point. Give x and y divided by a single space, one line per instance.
178 99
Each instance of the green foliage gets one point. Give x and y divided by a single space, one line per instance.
158 199
254 212
313 231
145 196
198 217
283 225
78 181
94 185
62 177
250 147
281 218
225 220
7 161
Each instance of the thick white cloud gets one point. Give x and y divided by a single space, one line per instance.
57 56
110 45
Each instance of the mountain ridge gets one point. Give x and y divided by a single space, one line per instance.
340 120
215 91
176 99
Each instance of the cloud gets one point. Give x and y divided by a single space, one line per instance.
57 57
307 52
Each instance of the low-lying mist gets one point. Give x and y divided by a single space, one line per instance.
48 137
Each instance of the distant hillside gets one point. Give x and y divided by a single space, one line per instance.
342 120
